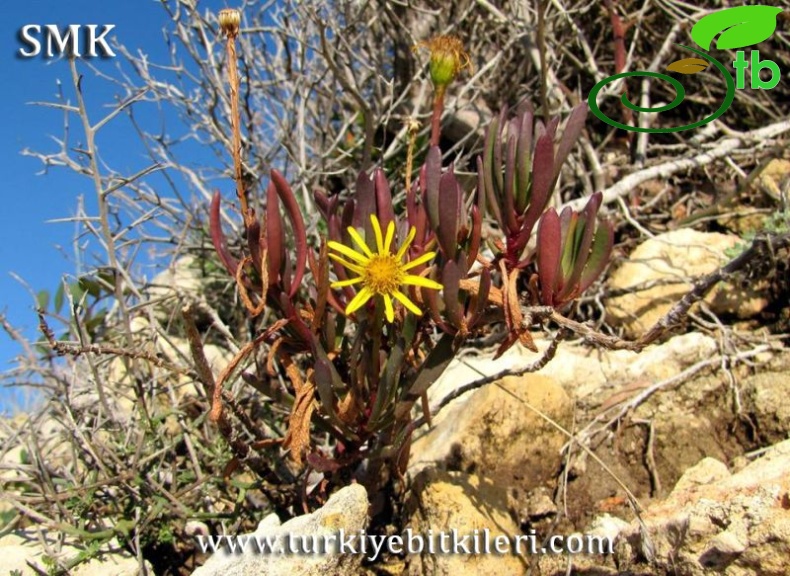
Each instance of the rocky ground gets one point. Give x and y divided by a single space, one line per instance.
678 454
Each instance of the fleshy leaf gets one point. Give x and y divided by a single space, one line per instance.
451 278
365 206
449 207
254 244
476 236
274 234
599 255
509 192
433 173
549 240
297 224
383 199
327 380
573 128
437 360
542 177
523 162
490 162
218 238
586 228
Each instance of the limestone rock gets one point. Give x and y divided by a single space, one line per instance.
445 501
31 546
495 430
736 524
345 510
667 264
168 289
767 399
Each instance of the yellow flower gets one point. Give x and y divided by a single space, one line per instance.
381 273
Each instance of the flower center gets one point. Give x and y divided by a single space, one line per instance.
383 274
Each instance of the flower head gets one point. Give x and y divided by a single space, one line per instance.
381 273
229 20
448 57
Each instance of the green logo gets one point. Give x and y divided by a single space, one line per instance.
737 28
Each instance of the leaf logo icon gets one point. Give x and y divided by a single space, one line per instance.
688 66
739 27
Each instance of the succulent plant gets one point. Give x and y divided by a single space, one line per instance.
572 252
518 171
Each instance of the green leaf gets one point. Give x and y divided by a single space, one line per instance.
327 380
599 255
77 290
42 299
385 395
91 286
59 298
433 367
740 27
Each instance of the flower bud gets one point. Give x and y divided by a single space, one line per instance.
229 21
448 57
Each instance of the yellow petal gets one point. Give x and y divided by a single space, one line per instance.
388 239
407 242
388 310
359 241
344 283
353 254
422 259
359 300
413 280
353 267
377 231
407 303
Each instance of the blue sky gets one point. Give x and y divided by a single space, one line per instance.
37 251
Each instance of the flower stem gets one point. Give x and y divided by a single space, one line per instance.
235 120
436 117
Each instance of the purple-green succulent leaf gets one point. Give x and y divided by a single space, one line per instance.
573 128
322 201
549 243
486 190
274 234
218 238
568 248
384 209
365 205
254 243
498 162
328 381
475 237
433 175
451 279
431 297
587 227
599 255
509 191
542 173
297 225
449 214
524 162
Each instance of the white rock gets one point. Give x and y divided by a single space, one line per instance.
345 510
669 262
27 546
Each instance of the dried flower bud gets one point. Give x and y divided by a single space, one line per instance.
229 21
448 57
